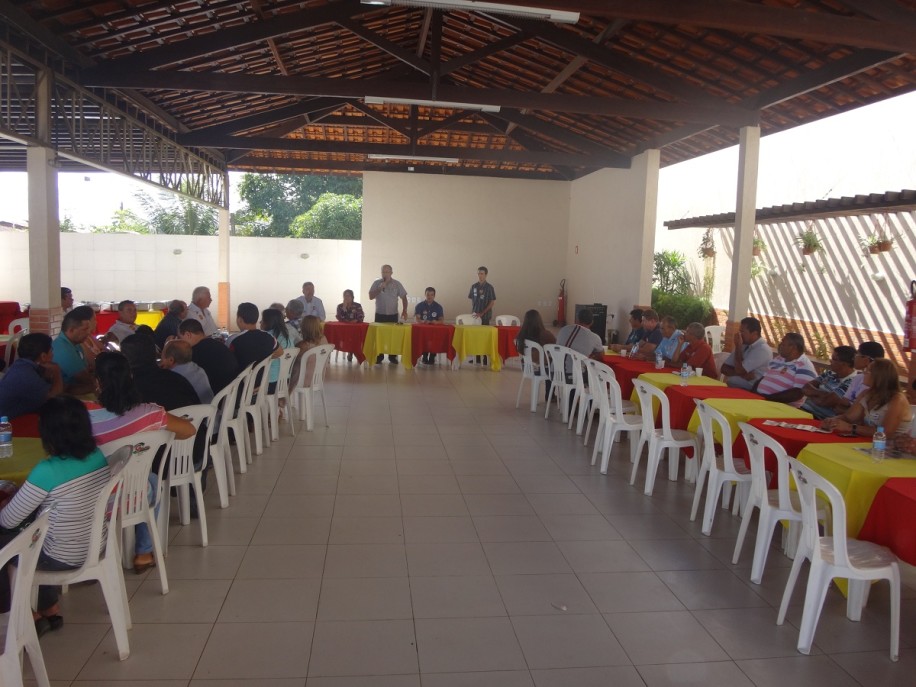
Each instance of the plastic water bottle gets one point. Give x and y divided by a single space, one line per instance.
685 373
634 350
659 361
6 438
878 444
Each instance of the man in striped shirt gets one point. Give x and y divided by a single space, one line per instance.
788 372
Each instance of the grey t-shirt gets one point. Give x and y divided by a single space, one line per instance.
386 302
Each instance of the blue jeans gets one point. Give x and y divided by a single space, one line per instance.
143 541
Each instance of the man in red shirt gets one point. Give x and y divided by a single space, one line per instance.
698 353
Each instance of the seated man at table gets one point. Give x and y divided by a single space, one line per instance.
697 352
66 299
749 360
32 379
126 323
211 355
156 385
68 351
788 373
867 352
252 345
581 338
311 304
651 338
831 383
177 356
168 325
672 341
294 320
429 312
198 310
636 332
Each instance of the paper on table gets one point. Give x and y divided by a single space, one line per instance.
889 453
792 425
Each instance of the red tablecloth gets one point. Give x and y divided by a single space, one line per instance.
432 338
25 425
681 399
505 340
891 518
627 369
347 337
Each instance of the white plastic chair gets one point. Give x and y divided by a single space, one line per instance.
20 628
255 405
237 421
11 346
467 320
860 562
507 321
775 505
714 334
582 400
662 439
304 396
536 374
557 357
281 392
136 508
718 470
103 561
19 325
220 449
610 406
182 474
591 370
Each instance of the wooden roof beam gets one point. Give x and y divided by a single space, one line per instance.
381 119
385 45
481 53
557 133
273 116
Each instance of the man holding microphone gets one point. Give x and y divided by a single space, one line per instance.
386 292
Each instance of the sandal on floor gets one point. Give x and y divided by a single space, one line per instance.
54 621
143 562
42 627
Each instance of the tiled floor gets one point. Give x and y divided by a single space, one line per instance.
434 535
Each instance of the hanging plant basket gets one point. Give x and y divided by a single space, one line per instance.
874 250
707 247
807 250
809 242
755 252
759 247
709 253
885 244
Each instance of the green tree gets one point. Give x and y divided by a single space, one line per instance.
284 197
124 221
174 214
333 216
669 273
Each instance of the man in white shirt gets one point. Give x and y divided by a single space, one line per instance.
747 364
580 337
311 304
197 310
126 323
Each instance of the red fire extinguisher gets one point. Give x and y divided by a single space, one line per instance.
561 306
909 327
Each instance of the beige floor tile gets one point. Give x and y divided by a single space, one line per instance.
623 592
656 526
367 531
462 452
427 484
510 528
265 682
182 644
674 554
367 505
567 641
799 671
436 560
282 562
664 637
455 597
430 449
360 467
526 558
65 652
873 669
188 601
618 676
498 504
544 594
439 530
498 678
479 467
487 484
750 632
602 556
720 674
579 527
256 650
265 601
294 506
373 647
300 532
467 644
366 560
368 484
366 681
220 532
308 468
380 451
424 467
375 598
433 505
710 589
311 484
561 504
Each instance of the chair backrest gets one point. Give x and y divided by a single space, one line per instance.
135 474
224 404
320 354
758 443
808 483
528 365
710 420
181 464
579 375
11 347
561 360
714 334
507 321
20 325
646 393
613 395
26 546
260 380
286 368
467 319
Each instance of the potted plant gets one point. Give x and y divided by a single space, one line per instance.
884 243
759 246
809 241
870 244
707 247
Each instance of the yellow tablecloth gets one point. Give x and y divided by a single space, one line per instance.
477 340
150 318
663 380
738 410
27 453
388 339
855 474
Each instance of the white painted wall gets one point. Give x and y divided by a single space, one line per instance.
112 267
436 230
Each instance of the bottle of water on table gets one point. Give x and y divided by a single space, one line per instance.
878 444
6 438
685 373
659 361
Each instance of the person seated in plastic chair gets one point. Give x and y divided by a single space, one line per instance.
70 479
349 311
32 379
126 323
429 311
831 383
652 336
748 362
696 351
636 332
787 373
581 338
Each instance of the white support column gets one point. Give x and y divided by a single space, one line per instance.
745 223
45 314
222 315
648 164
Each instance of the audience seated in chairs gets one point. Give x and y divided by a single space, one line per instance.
748 362
168 325
211 355
177 357
75 369
787 373
32 379
155 384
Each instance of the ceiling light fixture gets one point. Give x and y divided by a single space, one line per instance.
542 13
414 158
381 100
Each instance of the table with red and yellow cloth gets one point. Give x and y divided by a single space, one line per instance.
505 341
478 339
627 369
27 449
860 480
106 318
891 519
663 380
383 338
432 338
347 337
682 400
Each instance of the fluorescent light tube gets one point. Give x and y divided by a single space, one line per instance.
376 100
417 158
543 13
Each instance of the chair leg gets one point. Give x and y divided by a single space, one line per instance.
742 533
324 407
157 551
610 434
118 609
201 511
219 469
790 586
895 611
535 389
713 485
698 490
655 453
818 581
36 660
518 397
674 462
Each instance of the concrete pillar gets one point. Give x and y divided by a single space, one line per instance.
222 315
45 314
745 223
647 164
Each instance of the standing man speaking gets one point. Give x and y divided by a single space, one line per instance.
385 292
483 298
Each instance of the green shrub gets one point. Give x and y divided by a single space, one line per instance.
684 309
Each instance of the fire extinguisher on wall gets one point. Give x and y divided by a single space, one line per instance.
561 306
909 326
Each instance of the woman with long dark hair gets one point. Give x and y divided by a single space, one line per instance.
273 323
883 405
533 329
